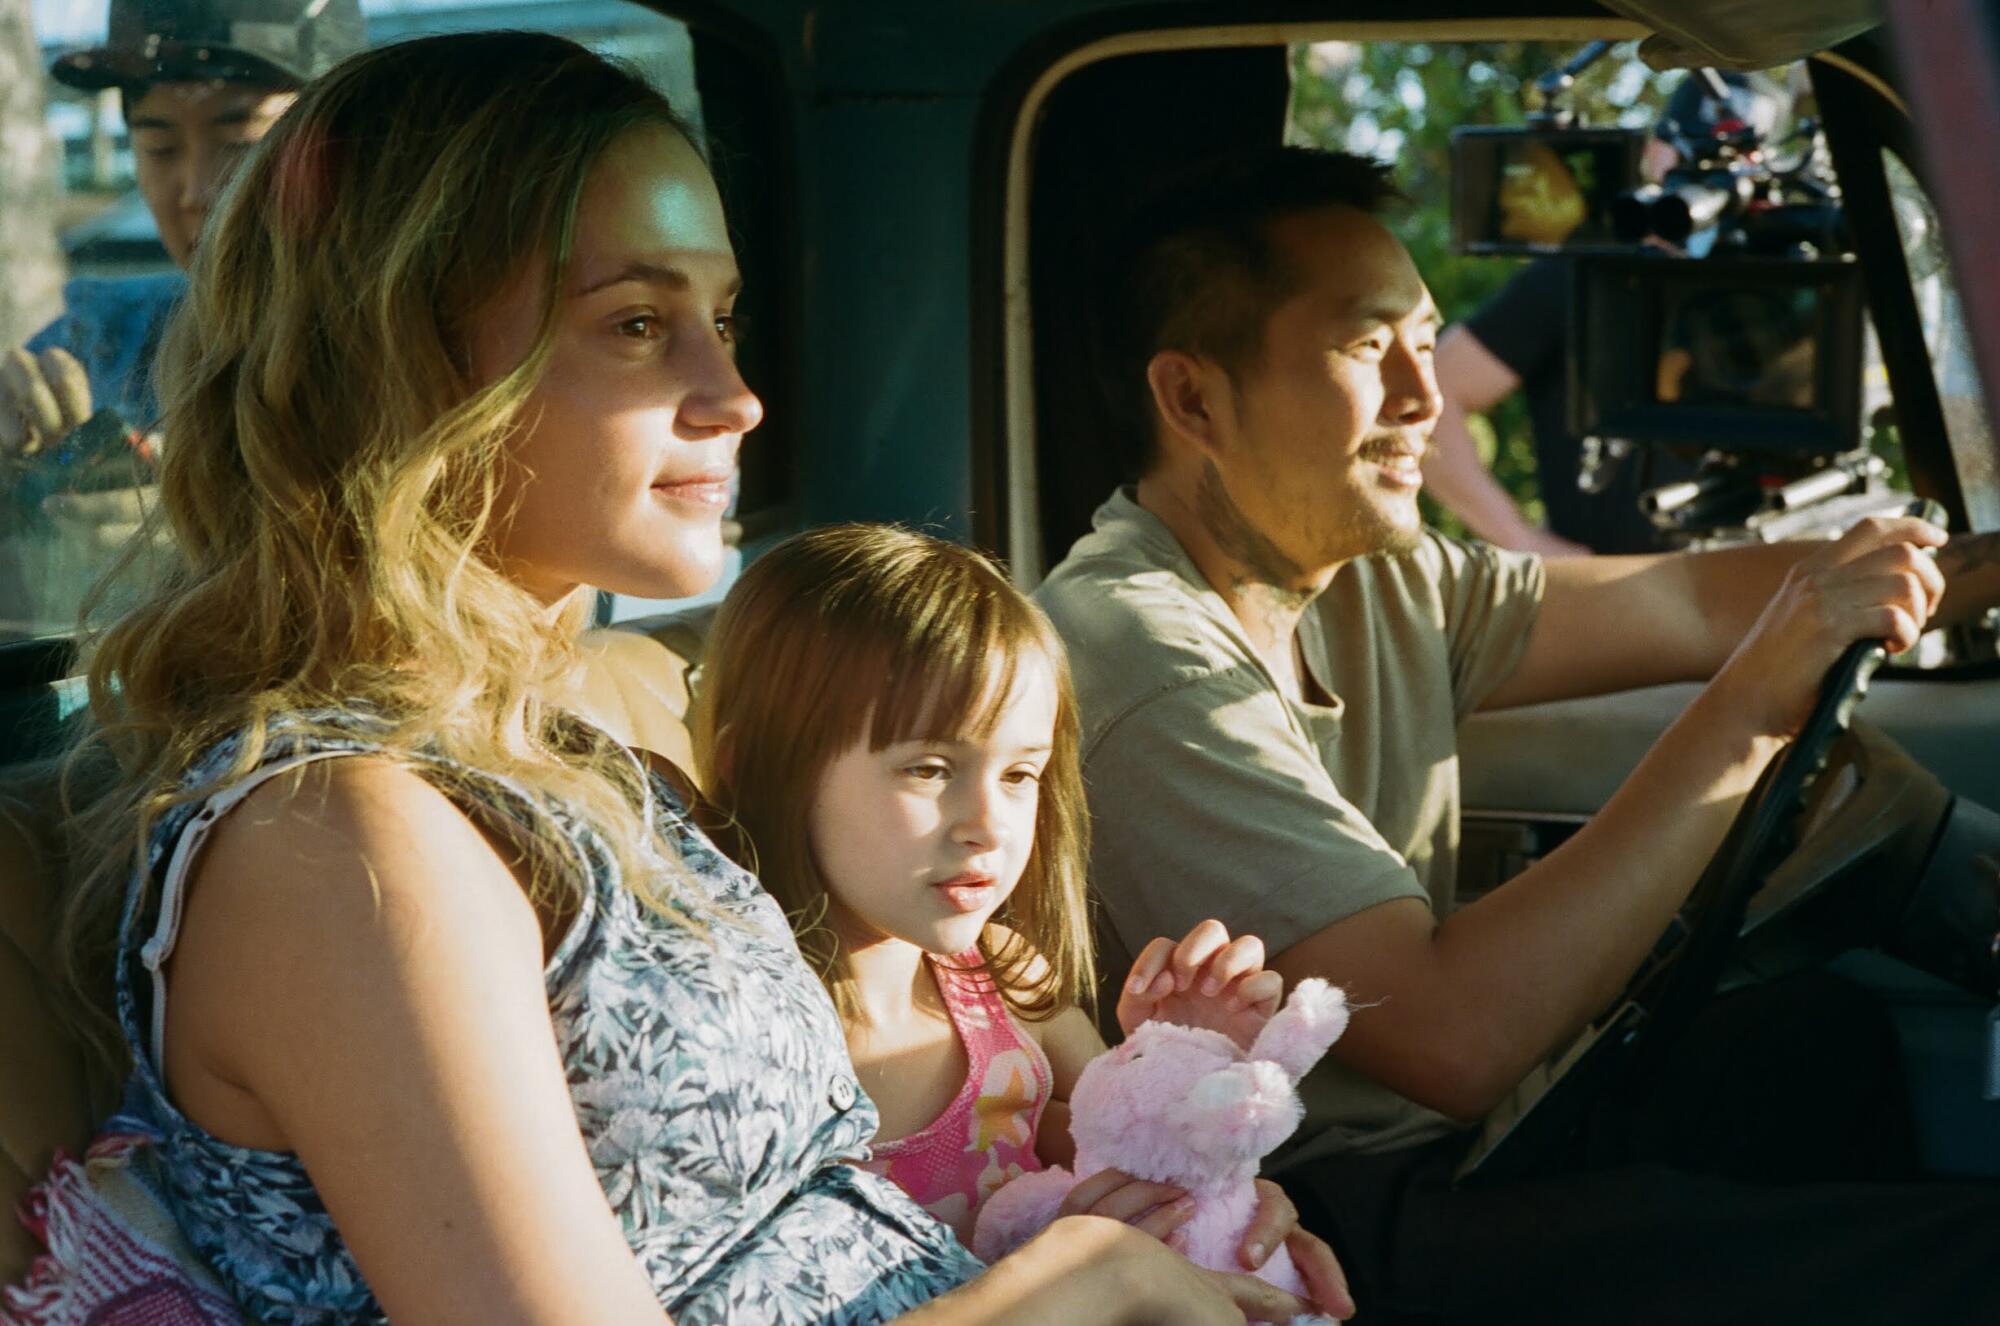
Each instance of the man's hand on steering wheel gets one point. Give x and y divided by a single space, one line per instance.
1877 581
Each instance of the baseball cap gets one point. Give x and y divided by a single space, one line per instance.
280 43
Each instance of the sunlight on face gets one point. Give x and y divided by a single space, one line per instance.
628 451
922 840
1336 416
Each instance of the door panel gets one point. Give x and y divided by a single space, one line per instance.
1567 758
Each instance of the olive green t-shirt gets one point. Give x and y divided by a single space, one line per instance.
1211 794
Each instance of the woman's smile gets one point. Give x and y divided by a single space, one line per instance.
709 490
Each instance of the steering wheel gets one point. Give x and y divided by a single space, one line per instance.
1681 974
1685 968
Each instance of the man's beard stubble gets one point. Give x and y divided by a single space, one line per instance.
1363 530
1368 524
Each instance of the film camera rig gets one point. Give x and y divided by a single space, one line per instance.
1717 311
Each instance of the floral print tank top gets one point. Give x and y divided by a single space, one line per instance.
986 1135
709 1075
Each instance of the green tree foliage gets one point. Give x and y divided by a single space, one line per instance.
1400 101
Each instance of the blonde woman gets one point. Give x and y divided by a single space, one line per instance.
438 1004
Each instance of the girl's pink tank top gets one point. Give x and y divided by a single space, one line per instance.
986 1135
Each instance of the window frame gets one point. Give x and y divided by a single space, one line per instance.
1865 117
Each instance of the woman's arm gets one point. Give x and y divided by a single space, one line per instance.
360 981
1096 1272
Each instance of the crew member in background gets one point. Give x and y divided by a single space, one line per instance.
1516 342
200 82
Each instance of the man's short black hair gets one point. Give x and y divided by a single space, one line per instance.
1195 269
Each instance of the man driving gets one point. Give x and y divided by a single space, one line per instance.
1272 656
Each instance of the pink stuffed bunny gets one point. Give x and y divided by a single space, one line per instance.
1185 1106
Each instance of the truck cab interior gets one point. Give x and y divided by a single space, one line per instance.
918 199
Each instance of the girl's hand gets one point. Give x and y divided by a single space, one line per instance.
1159 1209
1277 1221
1206 980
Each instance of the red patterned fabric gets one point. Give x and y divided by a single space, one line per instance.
115 1256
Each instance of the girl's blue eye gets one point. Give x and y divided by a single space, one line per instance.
640 327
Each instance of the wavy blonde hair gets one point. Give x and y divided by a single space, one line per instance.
853 631
333 472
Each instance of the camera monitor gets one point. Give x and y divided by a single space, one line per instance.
1737 353
1538 190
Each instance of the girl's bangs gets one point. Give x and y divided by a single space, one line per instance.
949 670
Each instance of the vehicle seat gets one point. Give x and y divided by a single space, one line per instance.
636 688
50 1095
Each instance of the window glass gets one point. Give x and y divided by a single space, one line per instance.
1968 425
84 267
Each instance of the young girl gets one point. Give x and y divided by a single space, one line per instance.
438 1005
890 728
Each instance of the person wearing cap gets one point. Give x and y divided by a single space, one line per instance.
201 81
1515 342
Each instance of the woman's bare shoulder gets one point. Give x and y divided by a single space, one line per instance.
344 864
361 983
362 817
